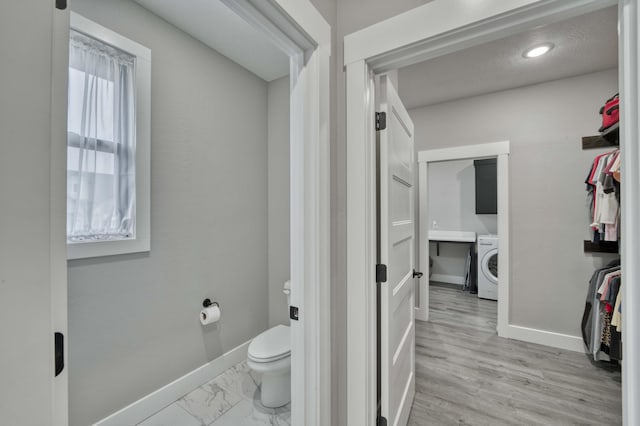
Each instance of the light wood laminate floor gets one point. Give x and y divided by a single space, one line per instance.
467 375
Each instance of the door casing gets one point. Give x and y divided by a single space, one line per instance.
500 150
429 31
299 29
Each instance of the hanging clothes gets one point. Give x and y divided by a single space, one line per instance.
603 195
601 315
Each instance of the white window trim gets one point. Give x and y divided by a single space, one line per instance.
142 241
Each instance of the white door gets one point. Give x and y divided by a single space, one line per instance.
396 235
32 247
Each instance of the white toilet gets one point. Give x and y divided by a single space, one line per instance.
270 355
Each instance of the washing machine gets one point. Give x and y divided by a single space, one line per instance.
488 267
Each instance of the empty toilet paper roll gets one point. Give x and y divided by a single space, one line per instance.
210 315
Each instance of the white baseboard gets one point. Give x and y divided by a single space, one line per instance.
547 338
451 279
166 395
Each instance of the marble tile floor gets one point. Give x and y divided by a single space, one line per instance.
467 375
231 399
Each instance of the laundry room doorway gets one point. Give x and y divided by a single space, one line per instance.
429 158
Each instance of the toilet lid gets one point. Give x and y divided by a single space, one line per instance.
271 345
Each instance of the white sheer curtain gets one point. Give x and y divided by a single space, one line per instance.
101 142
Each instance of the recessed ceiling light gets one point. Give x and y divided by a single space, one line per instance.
538 50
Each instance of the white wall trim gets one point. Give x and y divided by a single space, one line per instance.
58 227
166 395
306 17
293 25
453 14
444 278
504 252
547 338
108 36
361 246
298 28
441 27
422 309
142 74
629 60
464 152
494 149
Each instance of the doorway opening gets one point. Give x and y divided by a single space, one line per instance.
191 152
518 85
459 236
381 61
556 252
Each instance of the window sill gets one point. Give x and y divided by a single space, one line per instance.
85 250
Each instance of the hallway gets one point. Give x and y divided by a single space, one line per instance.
467 375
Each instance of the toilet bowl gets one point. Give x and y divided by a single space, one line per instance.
270 354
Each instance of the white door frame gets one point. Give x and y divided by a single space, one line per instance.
501 151
435 29
299 29
58 214
629 69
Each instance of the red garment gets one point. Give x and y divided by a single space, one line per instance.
610 113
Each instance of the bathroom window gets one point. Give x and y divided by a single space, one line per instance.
108 142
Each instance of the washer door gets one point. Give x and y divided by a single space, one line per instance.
490 265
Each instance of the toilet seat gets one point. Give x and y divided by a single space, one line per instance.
271 345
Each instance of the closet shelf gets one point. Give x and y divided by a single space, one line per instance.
591 142
602 247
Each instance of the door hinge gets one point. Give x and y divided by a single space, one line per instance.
381 120
293 312
61 4
58 352
381 273
381 421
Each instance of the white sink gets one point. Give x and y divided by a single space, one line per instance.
458 236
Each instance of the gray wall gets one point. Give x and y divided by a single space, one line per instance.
545 123
133 319
451 203
25 250
279 200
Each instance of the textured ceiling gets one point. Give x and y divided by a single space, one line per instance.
584 44
220 28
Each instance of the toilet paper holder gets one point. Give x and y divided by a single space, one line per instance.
207 302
